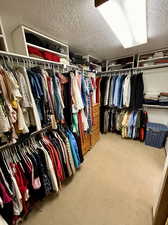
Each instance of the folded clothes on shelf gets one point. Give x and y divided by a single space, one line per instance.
35 52
163 100
151 102
151 96
164 94
156 99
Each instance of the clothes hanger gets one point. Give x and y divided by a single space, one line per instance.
17 61
12 61
34 143
23 153
4 63
4 156
29 63
26 63
12 153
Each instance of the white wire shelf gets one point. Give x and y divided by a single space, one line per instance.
155 106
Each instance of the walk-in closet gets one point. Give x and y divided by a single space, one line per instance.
84 112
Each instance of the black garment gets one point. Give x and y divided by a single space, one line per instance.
7 212
151 102
5 171
103 85
46 186
104 110
67 100
137 91
33 39
133 91
104 122
36 194
112 120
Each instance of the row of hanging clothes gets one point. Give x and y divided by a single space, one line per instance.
122 96
34 168
33 97
122 90
130 124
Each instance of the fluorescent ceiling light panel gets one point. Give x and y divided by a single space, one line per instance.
127 19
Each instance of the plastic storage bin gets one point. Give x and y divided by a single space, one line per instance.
156 135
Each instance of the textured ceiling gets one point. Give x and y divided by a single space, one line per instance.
79 24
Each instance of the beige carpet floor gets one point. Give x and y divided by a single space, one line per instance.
116 185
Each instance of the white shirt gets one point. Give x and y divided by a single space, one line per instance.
76 95
127 91
106 98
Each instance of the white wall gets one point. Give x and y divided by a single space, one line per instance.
156 81
161 187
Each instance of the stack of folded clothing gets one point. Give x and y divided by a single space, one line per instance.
51 56
151 99
37 53
163 98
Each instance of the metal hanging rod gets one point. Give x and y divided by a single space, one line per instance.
31 135
28 58
43 61
136 68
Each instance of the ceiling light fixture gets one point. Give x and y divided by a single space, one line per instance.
127 19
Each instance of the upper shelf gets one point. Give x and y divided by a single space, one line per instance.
114 65
153 59
43 36
24 37
155 106
48 50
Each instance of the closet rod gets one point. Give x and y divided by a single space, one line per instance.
14 55
31 135
136 68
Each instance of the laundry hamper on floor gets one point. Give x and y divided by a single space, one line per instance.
156 135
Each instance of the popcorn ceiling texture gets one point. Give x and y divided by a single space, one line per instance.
79 24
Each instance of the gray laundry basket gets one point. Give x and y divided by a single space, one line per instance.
156 135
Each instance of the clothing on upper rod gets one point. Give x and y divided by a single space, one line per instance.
32 95
121 97
122 90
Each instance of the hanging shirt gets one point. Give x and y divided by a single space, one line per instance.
35 114
106 97
127 90
74 149
130 124
117 91
110 102
76 95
